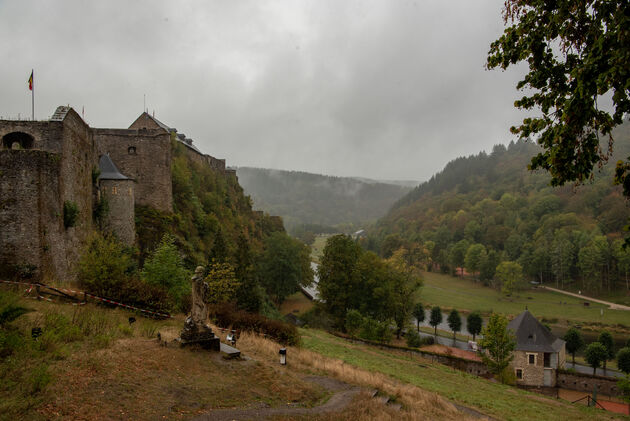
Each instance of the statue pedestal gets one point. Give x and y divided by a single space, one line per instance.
202 336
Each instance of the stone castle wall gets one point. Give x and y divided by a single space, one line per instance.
31 214
120 217
145 156
35 184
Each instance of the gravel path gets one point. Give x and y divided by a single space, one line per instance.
344 393
613 306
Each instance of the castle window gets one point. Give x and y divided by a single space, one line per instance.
131 150
17 140
531 359
114 190
519 373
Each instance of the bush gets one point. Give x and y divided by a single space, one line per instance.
227 316
374 330
354 320
165 269
70 213
317 318
427 340
413 338
106 269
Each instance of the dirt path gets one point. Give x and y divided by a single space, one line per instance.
613 306
343 395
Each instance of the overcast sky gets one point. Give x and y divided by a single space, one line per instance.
381 89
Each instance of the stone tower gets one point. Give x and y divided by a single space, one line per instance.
118 191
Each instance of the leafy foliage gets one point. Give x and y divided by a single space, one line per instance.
227 316
222 283
606 339
454 322
285 265
595 354
474 323
574 341
577 52
436 318
499 343
352 278
354 320
510 274
70 213
165 268
418 314
623 360
491 200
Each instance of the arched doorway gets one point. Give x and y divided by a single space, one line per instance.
17 140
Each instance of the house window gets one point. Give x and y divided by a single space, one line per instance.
531 359
519 374
114 190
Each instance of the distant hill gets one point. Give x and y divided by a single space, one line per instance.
492 199
305 198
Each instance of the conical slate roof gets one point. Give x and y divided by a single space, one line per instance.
531 335
109 170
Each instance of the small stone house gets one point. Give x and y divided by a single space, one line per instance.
538 354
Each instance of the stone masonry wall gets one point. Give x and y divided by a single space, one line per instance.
120 217
31 221
533 375
78 160
145 156
586 383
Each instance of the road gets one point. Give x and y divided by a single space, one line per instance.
612 306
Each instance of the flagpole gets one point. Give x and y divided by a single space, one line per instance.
33 95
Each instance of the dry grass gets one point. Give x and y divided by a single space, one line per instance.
418 404
296 304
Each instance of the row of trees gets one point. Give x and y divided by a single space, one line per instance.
598 353
473 320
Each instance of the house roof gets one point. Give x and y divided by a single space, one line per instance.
531 335
109 170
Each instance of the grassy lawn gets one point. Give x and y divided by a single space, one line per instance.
297 304
463 294
91 363
317 248
494 399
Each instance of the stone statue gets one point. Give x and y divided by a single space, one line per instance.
196 331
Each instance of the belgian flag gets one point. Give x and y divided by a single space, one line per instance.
30 82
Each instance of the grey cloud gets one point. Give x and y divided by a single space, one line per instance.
390 90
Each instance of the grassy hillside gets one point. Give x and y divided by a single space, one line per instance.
304 198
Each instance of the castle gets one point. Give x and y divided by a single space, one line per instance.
54 174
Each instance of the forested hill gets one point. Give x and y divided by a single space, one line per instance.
492 199
304 198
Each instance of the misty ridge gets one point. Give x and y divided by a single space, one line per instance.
306 198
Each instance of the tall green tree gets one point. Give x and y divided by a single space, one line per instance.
418 314
510 274
475 255
285 265
576 51
165 268
474 323
499 343
623 360
436 318
339 278
457 255
454 322
595 354
574 342
606 339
